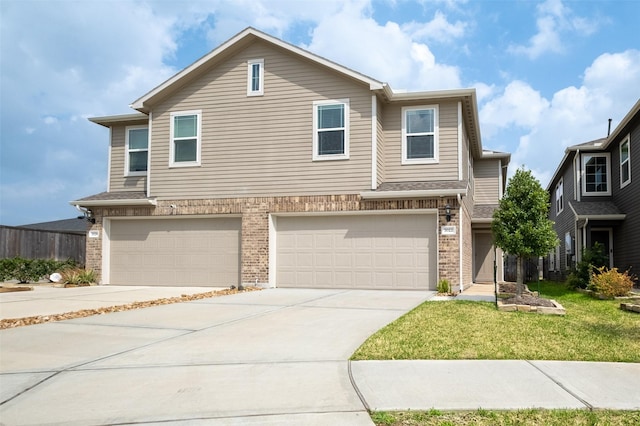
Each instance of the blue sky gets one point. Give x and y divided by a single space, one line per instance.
548 73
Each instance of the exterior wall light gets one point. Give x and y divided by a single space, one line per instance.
447 210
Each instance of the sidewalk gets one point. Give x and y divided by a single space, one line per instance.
496 385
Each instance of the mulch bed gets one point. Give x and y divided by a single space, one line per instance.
40 319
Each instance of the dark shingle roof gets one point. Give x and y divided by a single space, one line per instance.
422 186
66 225
108 196
594 208
483 211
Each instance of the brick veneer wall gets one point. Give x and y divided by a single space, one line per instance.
255 225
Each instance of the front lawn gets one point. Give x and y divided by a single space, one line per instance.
520 417
592 330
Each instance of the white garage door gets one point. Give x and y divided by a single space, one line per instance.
175 252
371 251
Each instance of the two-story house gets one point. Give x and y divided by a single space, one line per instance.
262 163
595 197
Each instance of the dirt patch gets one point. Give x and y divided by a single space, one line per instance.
19 322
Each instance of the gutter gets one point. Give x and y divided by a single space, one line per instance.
111 203
427 193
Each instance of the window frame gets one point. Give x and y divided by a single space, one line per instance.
250 77
316 156
560 196
584 159
172 139
127 162
436 127
626 140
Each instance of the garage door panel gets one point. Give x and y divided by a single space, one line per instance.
175 252
369 251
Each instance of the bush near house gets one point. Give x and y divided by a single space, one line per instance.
31 270
592 258
610 283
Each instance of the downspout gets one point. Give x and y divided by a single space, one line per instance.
374 142
584 234
149 155
460 243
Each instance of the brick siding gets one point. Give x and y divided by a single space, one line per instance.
255 226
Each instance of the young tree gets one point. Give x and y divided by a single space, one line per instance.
520 224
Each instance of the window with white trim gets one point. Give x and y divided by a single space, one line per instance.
596 176
625 162
185 138
420 135
255 77
331 130
137 150
559 197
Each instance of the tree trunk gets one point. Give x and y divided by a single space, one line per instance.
519 276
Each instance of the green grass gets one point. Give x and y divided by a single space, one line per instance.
592 330
520 417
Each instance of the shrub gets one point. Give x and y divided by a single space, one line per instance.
31 270
592 258
78 276
611 283
444 287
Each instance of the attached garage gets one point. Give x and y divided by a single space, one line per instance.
393 251
174 252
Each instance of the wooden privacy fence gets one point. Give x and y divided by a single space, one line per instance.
530 269
36 244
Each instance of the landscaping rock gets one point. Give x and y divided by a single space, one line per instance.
630 307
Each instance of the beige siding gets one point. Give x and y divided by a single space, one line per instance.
445 169
262 145
117 180
487 181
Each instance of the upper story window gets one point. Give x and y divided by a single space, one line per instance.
625 162
185 139
255 77
596 174
137 150
559 197
420 135
331 130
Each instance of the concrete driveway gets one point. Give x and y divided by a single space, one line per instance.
276 356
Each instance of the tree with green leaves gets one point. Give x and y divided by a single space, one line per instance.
521 226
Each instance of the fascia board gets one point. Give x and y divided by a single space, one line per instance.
110 203
381 195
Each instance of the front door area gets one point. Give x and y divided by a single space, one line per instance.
483 257
604 237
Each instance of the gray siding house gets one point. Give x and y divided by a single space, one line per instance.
595 197
262 163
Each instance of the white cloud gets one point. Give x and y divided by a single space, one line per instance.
611 85
519 105
354 39
553 22
438 29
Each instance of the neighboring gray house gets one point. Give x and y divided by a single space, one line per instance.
262 163
595 197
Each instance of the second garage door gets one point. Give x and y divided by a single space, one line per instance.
368 251
175 252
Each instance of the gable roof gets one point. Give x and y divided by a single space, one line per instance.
600 144
234 44
467 96
75 225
